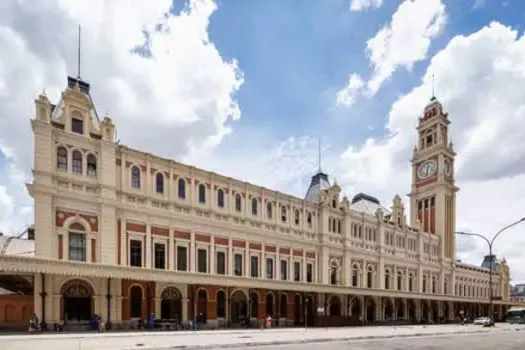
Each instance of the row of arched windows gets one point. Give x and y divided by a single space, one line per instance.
221 198
464 290
334 225
77 162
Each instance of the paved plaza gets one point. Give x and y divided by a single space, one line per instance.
476 341
233 339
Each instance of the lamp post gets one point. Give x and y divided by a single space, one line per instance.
490 243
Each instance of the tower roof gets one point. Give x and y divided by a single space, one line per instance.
319 183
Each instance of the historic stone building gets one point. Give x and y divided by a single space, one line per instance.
122 233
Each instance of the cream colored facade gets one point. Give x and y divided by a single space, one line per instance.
111 207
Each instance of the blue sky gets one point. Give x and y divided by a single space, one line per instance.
294 57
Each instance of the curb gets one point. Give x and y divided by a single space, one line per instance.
302 341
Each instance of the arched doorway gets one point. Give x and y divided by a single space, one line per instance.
388 309
309 309
171 304
446 311
269 304
297 309
370 310
400 309
283 305
77 298
425 312
237 306
355 308
202 306
411 310
135 299
221 304
435 311
254 305
335 306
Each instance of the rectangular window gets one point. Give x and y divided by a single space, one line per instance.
182 258
297 271
135 253
202 260
284 270
221 263
77 125
237 265
309 272
160 256
77 246
254 266
269 268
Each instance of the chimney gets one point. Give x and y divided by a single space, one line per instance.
31 233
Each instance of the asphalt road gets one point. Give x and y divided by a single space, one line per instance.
512 340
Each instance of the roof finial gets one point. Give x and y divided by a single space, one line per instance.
319 154
78 58
433 88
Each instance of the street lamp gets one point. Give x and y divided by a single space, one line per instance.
490 243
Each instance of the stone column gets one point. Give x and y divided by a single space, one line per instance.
37 299
123 243
212 254
157 307
185 310
229 270
263 259
54 315
171 251
148 246
192 252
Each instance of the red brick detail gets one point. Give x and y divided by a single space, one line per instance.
161 231
255 246
237 243
310 255
201 237
182 235
62 215
285 251
60 247
427 181
93 250
118 162
270 248
297 252
16 309
119 236
221 240
131 226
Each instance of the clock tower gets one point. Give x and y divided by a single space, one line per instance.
433 195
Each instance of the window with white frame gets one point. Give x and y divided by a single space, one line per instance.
269 268
135 253
182 258
309 272
202 260
77 246
160 255
254 266
220 264
237 264
297 271
284 270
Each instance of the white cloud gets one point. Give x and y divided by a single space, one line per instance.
403 42
348 95
475 74
363 5
181 100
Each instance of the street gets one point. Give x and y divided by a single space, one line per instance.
499 340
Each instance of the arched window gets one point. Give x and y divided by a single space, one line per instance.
77 242
159 182
333 273
424 284
254 206
91 165
182 188
135 294
202 193
135 177
238 203
220 198
338 226
433 285
355 276
269 210
387 279
309 220
283 306
62 158
410 282
445 287
370 277
77 162
399 280
297 217
283 213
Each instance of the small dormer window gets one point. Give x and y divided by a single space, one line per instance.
77 125
334 204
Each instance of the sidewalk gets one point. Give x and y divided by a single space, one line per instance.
227 339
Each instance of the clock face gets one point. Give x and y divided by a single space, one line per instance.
447 167
427 169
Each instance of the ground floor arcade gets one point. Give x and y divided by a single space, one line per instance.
75 299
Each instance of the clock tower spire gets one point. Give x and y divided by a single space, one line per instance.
433 194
